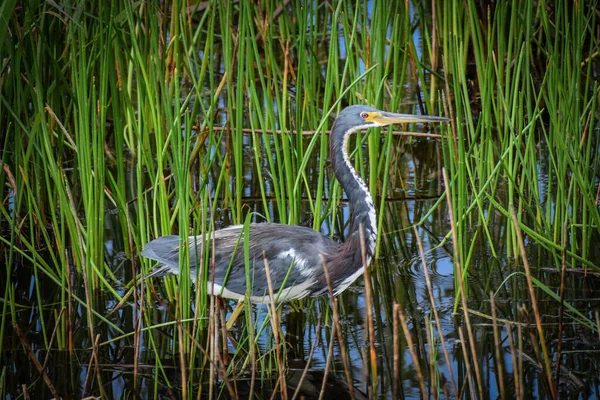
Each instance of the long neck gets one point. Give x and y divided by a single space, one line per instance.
361 202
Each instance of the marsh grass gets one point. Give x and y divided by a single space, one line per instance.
124 122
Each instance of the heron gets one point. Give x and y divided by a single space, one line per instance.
296 256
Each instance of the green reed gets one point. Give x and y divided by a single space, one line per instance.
113 74
515 99
537 104
140 109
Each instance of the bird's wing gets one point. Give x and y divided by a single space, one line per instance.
293 254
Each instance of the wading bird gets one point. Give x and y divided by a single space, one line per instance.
294 254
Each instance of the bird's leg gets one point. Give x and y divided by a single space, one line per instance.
223 328
235 314
213 332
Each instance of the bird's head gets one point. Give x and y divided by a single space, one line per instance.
355 118
362 117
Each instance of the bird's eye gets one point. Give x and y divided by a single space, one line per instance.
364 115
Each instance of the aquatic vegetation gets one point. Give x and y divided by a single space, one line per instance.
127 121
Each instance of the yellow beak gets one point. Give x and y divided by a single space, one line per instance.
387 118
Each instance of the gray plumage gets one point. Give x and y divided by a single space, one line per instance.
295 254
292 253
